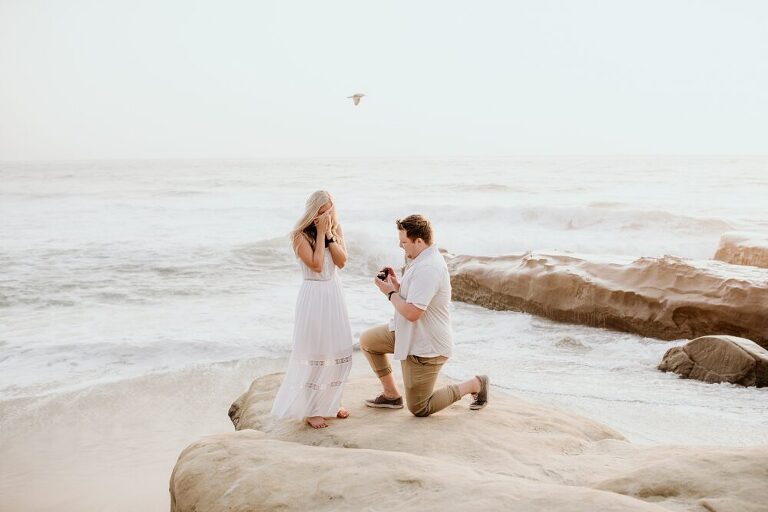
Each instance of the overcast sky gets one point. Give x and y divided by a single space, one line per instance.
189 79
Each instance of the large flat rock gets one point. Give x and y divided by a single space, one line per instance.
666 298
244 472
512 455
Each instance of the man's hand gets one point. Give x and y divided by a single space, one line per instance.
393 277
390 285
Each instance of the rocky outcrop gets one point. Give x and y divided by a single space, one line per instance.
243 472
743 249
512 455
667 298
719 359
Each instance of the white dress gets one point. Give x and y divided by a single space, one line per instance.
322 348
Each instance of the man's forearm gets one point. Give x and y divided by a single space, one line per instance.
408 311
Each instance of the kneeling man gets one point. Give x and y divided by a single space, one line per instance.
419 335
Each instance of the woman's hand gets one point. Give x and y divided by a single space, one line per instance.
323 223
333 230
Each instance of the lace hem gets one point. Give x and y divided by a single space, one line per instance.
317 387
322 362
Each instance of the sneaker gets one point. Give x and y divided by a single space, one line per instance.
481 398
384 402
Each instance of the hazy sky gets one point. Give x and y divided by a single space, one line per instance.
145 79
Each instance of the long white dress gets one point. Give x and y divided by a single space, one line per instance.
322 348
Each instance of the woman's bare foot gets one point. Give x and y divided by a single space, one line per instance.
316 422
343 413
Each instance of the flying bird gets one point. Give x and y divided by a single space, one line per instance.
356 98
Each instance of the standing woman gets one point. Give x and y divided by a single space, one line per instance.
322 337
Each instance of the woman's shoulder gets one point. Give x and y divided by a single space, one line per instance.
298 242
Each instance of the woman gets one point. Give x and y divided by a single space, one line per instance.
322 337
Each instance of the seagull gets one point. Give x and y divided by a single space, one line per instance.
356 98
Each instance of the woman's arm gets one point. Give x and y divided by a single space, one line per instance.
338 249
313 258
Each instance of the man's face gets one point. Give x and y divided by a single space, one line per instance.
411 248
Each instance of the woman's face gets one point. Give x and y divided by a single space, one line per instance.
325 209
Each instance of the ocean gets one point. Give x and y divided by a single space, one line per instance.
128 279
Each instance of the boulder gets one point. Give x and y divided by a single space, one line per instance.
719 359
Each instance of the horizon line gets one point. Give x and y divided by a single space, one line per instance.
385 157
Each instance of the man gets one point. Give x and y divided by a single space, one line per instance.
420 333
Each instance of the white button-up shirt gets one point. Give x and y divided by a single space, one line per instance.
427 285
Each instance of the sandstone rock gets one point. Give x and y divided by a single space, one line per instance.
743 249
482 439
667 298
243 472
512 455
695 478
719 359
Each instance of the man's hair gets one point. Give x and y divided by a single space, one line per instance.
416 226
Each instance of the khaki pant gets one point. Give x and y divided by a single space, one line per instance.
419 373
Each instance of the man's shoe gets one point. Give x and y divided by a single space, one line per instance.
481 398
385 403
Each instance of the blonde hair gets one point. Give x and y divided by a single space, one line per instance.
306 223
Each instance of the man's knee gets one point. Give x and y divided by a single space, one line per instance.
374 340
420 410
367 340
